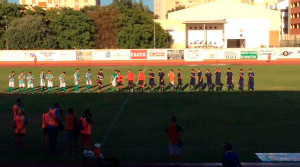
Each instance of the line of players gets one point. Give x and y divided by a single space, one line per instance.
118 79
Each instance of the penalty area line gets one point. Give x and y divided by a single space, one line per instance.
106 135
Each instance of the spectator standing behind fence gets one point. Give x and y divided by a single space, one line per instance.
175 143
230 158
20 128
86 131
71 126
53 126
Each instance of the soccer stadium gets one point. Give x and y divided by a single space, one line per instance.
152 83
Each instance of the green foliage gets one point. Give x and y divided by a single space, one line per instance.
73 29
136 27
30 32
36 11
11 11
3 1
105 19
124 24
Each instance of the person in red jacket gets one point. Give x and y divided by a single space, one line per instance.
86 131
142 79
18 107
54 121
175 143
45 130
120 80
131 78
20 128
70 127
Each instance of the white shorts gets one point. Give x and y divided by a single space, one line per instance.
11 84
114 84
76 83
42 84
50 84
174 149
29 85
62 84
22 85
88 82
172 83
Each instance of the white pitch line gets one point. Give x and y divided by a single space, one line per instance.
117 117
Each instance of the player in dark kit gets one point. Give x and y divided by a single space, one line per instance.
251 75
229 80
241 80
151 80
100 78
208 76
218 80
179 80
193 80
161 80
200 79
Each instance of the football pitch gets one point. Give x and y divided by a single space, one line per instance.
266 120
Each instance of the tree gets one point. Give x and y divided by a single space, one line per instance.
11 11
3 1
136 28
105 19
30 32
73 29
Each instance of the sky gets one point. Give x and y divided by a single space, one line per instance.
149 3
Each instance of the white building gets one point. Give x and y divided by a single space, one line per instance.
224 23
283 7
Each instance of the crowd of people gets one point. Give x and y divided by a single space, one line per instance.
54 121
117 81
202 44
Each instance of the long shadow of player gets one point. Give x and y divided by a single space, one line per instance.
185 87
102 86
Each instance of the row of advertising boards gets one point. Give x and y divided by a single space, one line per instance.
149 54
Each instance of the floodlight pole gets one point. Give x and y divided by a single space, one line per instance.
6 39
154 37
205 33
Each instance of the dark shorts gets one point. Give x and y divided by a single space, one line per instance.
218 82
130 83
180 82
99 81
162 83
193 82
20 134
251 83
152 83
141 83
229 82
200 83
241 82
86 138
69 136
120 83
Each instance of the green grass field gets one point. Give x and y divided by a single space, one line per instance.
266 120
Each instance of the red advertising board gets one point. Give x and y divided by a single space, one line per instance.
138 54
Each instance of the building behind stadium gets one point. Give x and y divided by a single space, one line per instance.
224 24
48 4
